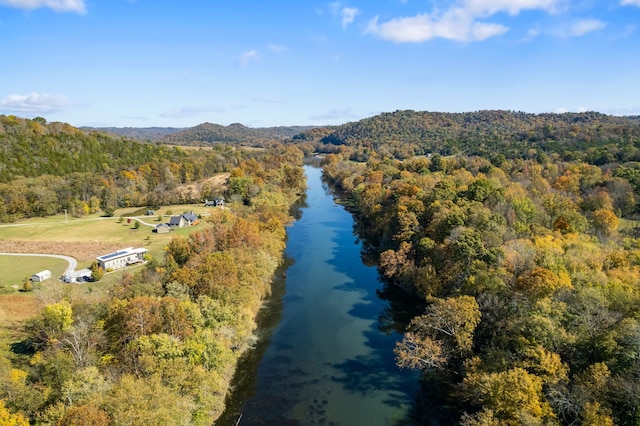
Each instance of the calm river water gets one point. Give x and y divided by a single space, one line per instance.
324 357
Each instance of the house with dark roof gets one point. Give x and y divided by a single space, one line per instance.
190 218
216 202
177 222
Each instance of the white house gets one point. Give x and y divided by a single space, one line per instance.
122 258
41 276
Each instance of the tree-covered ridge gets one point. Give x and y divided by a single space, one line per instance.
48 168
162 348
531 285
209 133
139 133
407 133
32 148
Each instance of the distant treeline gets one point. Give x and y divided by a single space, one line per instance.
592 137
208 133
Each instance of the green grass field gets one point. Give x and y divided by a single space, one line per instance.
85 230
17 269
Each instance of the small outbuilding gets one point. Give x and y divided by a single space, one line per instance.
216 202
163 228
41 276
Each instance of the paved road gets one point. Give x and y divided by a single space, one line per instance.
72 262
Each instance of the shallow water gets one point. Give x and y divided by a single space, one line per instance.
324 357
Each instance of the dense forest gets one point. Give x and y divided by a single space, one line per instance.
162 347
209 133
46 168
591 137
516 235
205 134
139 133
526 260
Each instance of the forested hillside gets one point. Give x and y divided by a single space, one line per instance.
161 347
528 267
594 137
46 168
208 133
33 148
139 133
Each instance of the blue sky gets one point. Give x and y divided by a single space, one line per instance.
144 63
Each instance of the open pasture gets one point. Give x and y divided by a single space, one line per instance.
82 238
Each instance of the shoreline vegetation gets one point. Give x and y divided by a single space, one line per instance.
157 344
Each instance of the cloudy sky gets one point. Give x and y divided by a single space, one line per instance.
144 63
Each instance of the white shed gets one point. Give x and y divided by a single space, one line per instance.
41 276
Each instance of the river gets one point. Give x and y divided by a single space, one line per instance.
325 355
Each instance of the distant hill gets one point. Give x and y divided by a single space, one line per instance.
406 133
208 133
140 133
31 148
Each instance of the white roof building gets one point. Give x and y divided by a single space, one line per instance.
122 258
41 276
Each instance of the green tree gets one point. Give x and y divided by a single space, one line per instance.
514 397
97 272
444 331
146 402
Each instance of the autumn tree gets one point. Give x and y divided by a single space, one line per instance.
7 418
605 222
443 332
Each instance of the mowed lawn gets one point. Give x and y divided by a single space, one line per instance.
82 238
90 229
17 269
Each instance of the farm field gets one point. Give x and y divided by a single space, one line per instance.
91 235
82 238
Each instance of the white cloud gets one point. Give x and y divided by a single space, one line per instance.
451 26
247 57
465 21
277 48
348 15
533 33
512 7
585 26
57 5
34 103
630 3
